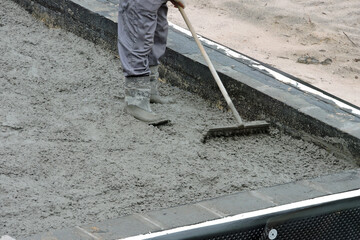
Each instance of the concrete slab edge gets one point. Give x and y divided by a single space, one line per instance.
313 207
212 209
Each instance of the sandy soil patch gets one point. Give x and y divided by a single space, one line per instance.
279 32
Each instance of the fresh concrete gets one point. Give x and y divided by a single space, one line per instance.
213 209
253 86
70 156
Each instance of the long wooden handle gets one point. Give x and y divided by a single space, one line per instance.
212 68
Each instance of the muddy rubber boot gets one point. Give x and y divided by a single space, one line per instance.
154 83
137 99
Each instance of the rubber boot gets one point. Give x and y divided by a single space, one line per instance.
137 99
154 83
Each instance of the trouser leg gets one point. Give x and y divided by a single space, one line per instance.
160 36
137 24
157 51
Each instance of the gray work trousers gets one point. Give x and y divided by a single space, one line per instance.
142 34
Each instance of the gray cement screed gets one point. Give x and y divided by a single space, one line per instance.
70 156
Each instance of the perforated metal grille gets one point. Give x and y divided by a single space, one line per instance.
344 225
337 225
245 235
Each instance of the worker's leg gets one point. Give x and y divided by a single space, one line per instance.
160 36
137 21
136 29
158 50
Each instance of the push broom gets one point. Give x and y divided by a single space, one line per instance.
242 127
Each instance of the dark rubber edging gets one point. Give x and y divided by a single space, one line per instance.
252 90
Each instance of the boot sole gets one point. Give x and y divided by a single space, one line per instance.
160 122
141 115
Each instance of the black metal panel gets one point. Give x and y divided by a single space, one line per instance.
333 220
334 226
337 225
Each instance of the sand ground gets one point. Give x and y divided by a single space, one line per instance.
279 32
70 156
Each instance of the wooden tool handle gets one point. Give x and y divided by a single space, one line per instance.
211 67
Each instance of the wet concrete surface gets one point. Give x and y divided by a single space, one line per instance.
69 155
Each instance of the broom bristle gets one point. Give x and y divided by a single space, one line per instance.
249 128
